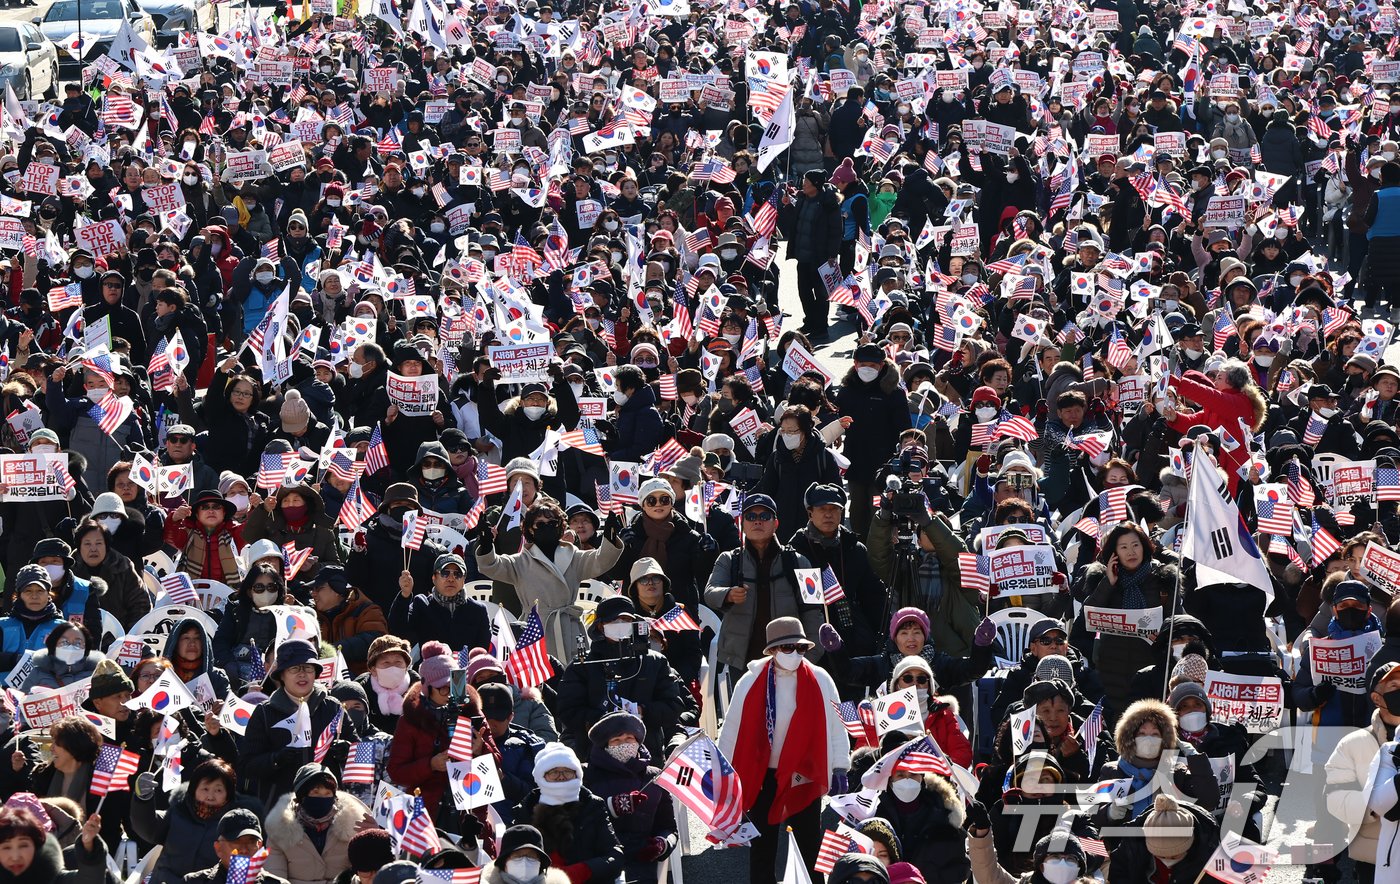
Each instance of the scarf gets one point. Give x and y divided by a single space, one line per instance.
1335 630
449 602
1134 598
802 764
658 534
390 699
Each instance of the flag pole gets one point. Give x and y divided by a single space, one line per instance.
1176 586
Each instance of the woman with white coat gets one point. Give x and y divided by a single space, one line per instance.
1355 818
309 830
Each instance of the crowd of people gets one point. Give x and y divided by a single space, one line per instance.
410 472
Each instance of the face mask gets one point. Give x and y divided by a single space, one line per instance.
390 676
906 790
555 794
624 752
1194 722
265 278
356 369
1192 354
1392 702
69 655
419 191
294 513
97 394
985 414
1147 747
437 227
523 868
83 272
1351 618
1264 361
616 256
1217 154
535 412
503 79
791 440
1376 173
1169 862
1295 281
1060 871
1326 413
432 474
1388 155
619 631
1011 177
788 660
55 572
216 248
191 180
1232 118
488 254
111 523
334 204
263 599
620 397
44 448
969 279
317 806
948 98
610 226
867 374
239 501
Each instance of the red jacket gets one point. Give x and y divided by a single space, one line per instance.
942 725
417 738
1222 410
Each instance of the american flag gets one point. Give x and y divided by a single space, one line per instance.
606 502
118 110
356 509
838 842
323 742
376 455
490 478
359 765
159 368
1092 444
1323 543
415 530
1017 427
272 250
1118 351
529 666
584 438
1275 515
293 559
1387 483
1224 327
343 465
522 252
1312 433
923 756
697 239
65 479
61 297
1093 846
179 589
111 769
982 433
420 837
976 571
700 777
666 456
110 413
754 374
1334 319
1089 732
765 217
858 718
1300 488
272 467
831 587
449 876
473 517
676 620
460 749
246 869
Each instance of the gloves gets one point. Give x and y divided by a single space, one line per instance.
1058 579
612 527
1324 692
578 873
984 465
337 754
146 786
828 636
627 803
483 541
985 634
655 850
977 817
839 783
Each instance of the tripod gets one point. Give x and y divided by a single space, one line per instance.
904 575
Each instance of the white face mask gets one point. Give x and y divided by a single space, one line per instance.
265 278
239 501
96 395
867 374
791 440
556 794
1194 722
985 414
1217 154
1232 118
83 272
334 204
620 397
437 227
1326 413
1147 746
191 180
432 474
948 97
55 572
111 523
1192 354
263 599
1264 361
69 655
610 226
44 448
356 369
390 676
1060 871
1388 155
788 660
906 790
535 412
523 868
1013 177
216 248
577 390
1295 280
617 631
969 279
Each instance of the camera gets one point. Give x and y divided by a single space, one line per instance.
743 475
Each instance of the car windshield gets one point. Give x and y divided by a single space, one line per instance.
9 40
67 10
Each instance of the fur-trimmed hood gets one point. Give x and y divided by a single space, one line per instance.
1133 718
551 875
511 406
888 380
286 832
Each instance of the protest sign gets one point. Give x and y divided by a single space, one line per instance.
40 178
1342 661
987 537
593 407
1254 701
165 198
25 423
101 238
1023 570
1351 482
243 165
1225 211
415 397
529 362
745 424
287 155
30 477
381 79
1382 567
42 707
800 359
1142 623
11 233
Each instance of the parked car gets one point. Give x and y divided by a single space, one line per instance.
91 25
171 17
28 61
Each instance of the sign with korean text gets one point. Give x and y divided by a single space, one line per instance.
1254 701
1023 570
522 364
1351 482
1382 567
1342 661
287 155
987 537
593 407
1141 623
800 359
30 477
415 397
244 165
11 233
1225 211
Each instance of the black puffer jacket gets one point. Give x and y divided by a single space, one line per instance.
786 479
655 818
584 693
375 569
930 830
880 412
266 762
588 837
816 227
856 616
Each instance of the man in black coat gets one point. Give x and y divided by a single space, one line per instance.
870 395
366 399
827 543
125 323
1338 435
378 562
814 238
846 130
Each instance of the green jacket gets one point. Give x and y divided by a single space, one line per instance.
958 611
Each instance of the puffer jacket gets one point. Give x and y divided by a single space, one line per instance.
265 760
689 557
186 839
126 597
1348 769
808 138
816 227
49 672
292 855
319 534
654 818
1118 658
786 479
352 628
931 831
419 736
218 679
879 411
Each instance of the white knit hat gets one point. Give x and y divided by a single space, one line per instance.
555 755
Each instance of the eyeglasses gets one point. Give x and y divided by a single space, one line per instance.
791 649
651 580
921 680
657 500
1048 640
759 516
211 505
302 669
901 339
452 573
242 393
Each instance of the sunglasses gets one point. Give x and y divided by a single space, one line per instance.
921 680
657 500
265 587
179 440
791 649
759 516
453 573
1048 640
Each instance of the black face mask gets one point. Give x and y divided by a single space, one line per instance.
1392 701
1351 618
546 537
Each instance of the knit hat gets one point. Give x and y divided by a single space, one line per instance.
909 664
334 576
385 644
350 690
520 838
1187 690
228 479
108 679
52 546
615 724
844 174
31 574
481 661
522 465
1040 762
905 873
850 864
554 755
108 504
903 615
295 413
879 829
369 850
1168 829
1191 667
655 486
717 442
311 775
1061 843
298 216
437 665
1054 666
398 872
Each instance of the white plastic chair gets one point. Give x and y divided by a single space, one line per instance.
213 595
1014 633
1293 662
111 631
478 590
594 591
714 689
160 562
